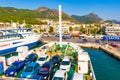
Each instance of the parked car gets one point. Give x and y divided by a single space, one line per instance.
60 75
37 77
66 36
114 45
47 34
31 70
56 60
44 58
46 69
65 64
84 39
57 35
77 76
31 57
14 68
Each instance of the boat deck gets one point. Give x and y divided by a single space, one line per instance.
65 50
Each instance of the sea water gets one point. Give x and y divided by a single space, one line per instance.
105 66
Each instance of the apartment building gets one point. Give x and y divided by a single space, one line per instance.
111 29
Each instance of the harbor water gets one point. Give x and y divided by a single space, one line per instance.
105 66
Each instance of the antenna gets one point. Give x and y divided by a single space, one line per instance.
60 25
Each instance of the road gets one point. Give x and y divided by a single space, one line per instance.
72 39
77 40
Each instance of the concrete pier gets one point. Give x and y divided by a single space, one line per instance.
111 51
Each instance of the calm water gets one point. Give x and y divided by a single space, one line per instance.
105 66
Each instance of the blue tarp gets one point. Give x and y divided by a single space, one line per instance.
117 38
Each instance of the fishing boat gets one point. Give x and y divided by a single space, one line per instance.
10 39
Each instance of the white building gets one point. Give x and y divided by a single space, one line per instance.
111 29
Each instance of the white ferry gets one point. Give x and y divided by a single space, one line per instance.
10 39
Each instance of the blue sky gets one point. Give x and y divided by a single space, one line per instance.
106 9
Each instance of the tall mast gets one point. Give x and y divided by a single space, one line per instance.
60 25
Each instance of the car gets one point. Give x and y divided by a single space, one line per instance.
44 58
66 36
57 35
65 64
96 41
47 34
84 39
37 77
114 45
31 70
31 58
60 75
56 60
14 68
47 69
77 76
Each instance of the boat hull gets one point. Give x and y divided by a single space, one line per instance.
13 49
30 41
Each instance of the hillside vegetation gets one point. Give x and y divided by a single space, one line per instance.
87 19
30 16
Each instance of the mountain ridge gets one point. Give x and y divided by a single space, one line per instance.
10 13
35 16
89 18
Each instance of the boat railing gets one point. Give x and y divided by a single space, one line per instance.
93 74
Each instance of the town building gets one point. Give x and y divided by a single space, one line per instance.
111 29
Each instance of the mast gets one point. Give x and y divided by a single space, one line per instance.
60 25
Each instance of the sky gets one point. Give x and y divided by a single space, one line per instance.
106 9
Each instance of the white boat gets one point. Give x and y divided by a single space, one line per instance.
10 39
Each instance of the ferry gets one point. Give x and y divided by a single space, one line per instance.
79 62
10 39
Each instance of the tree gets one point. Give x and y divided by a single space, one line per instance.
35 31
28 26
44 30
82 30
51 29
70 29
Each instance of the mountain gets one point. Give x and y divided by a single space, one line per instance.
30 16
115 21
8 14
52 14
90 18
